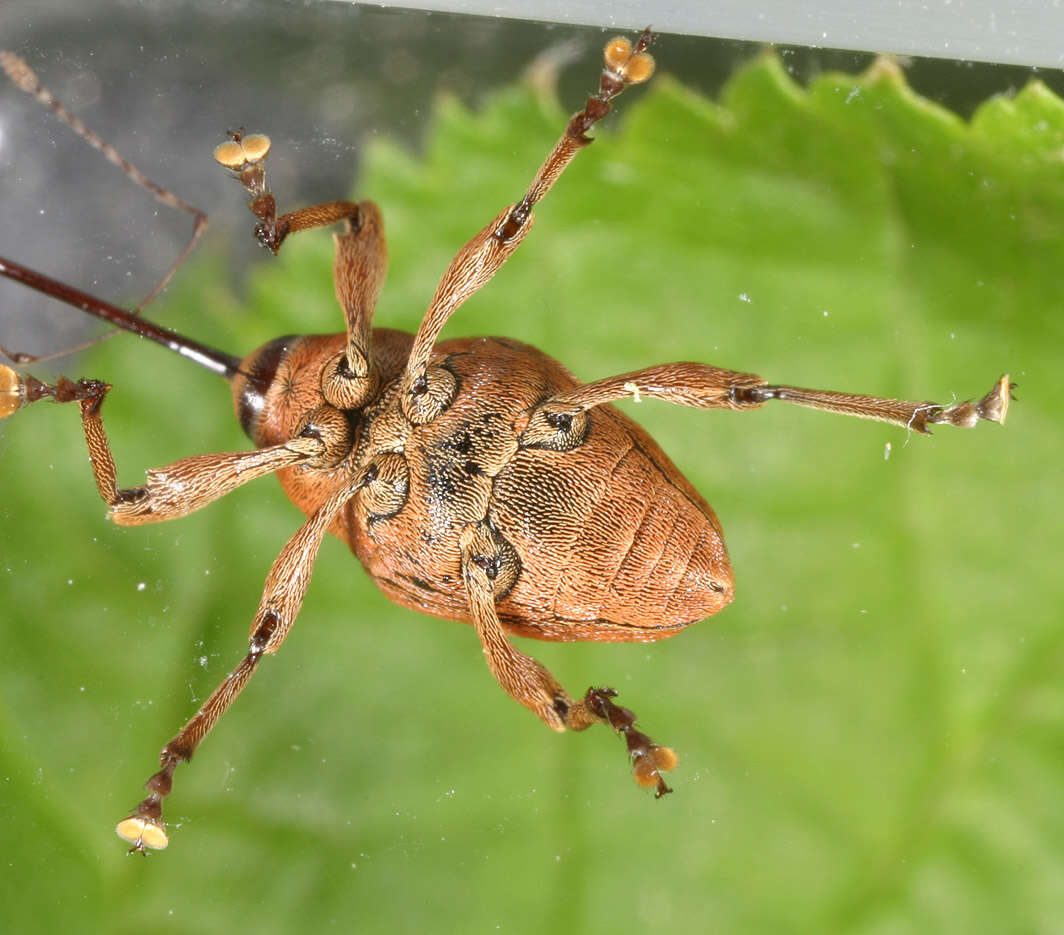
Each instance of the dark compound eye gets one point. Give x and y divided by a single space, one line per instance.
257 375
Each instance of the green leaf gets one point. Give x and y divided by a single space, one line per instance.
870 738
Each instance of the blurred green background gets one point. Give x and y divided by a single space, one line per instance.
870 737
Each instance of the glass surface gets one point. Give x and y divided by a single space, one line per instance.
869 736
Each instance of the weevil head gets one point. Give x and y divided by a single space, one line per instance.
280 383
276 387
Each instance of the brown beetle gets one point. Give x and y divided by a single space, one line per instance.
476 479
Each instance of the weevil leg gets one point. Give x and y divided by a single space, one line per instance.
489 568
169 492
282 597
245 156
23 77
359 268
479 260
186 485
191 483
649 760
350 379
19 390
705 387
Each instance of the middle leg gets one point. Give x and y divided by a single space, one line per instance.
286 586
489 568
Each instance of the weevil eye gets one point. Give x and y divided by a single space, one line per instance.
257 373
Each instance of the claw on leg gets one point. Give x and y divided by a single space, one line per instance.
19 390
993 407
649 760
144 828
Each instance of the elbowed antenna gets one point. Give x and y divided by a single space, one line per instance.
225 365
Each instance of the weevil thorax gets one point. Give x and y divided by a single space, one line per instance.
284 389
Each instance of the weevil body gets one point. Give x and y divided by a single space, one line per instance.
612 541
476 479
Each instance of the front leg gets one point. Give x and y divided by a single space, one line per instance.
490 566
169 492
282 597
475 264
